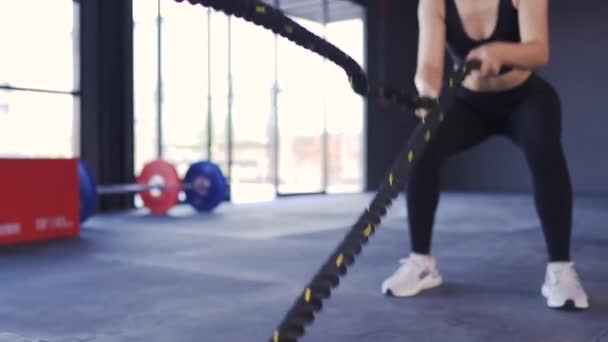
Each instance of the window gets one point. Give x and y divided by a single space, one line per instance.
171 73
184 84
145 79
301 116
276 118
219 64
345 112
38 83
252 69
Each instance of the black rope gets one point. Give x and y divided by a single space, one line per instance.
310 301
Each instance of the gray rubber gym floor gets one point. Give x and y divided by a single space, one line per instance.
231 276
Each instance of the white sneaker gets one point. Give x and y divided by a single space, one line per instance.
562 287
415 274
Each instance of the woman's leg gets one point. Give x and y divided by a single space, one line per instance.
535 126
461 129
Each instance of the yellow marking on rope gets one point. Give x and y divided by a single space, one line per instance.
307 295
410 156
451 82
260 9
390 179
289 29
427 136
368 230
340 260
275 336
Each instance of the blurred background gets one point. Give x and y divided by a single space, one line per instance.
120 83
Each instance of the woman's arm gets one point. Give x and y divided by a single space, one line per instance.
431 44
533 50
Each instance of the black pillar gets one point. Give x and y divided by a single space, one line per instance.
392 38
106 84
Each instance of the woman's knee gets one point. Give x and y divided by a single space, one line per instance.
546 160
546 102
541 145
426 169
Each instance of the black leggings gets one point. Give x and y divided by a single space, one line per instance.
530 116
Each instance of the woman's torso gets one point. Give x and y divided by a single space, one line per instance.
472 23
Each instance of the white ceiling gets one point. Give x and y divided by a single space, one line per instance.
313 9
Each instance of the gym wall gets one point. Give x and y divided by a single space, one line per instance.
577 70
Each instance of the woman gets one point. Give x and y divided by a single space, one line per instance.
504 97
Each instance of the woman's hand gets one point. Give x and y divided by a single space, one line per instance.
490 57
422 113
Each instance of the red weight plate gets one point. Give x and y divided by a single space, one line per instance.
159 173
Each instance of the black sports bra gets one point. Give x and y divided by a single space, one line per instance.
458 42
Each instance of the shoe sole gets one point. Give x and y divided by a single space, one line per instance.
568 304
431 283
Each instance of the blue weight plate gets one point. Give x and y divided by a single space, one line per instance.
207 188
88 192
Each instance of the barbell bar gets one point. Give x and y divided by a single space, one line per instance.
117 189
159 186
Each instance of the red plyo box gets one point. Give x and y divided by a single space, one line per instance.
39 200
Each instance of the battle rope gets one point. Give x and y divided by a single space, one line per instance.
310 301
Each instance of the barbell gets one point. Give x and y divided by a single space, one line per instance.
159 186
